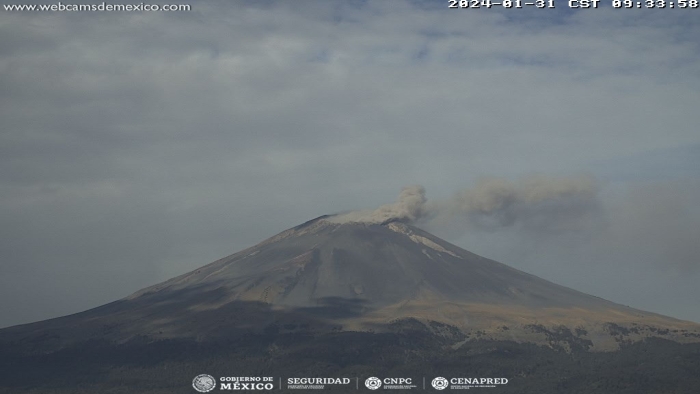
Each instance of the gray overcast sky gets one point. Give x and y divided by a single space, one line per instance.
138 146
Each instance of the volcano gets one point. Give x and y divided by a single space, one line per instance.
326 282
323 275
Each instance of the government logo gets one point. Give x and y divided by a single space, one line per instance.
204 383
247 383
373 383
440 383
316 383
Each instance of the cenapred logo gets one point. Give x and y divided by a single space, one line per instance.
440 383
204 383
373 383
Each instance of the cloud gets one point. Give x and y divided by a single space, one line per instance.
143 145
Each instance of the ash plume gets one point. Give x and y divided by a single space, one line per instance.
408 208
492 202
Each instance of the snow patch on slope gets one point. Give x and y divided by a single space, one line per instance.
403 229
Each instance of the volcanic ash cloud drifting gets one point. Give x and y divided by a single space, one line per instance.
497 202
535 200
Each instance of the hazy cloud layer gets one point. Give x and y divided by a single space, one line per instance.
136 146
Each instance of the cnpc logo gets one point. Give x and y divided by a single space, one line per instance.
374 382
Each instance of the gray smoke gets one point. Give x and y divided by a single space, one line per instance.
536 201
408 208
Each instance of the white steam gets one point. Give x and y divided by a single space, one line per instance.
494 202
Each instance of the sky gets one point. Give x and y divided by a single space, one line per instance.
136 146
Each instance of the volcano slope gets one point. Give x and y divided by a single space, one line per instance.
327 299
